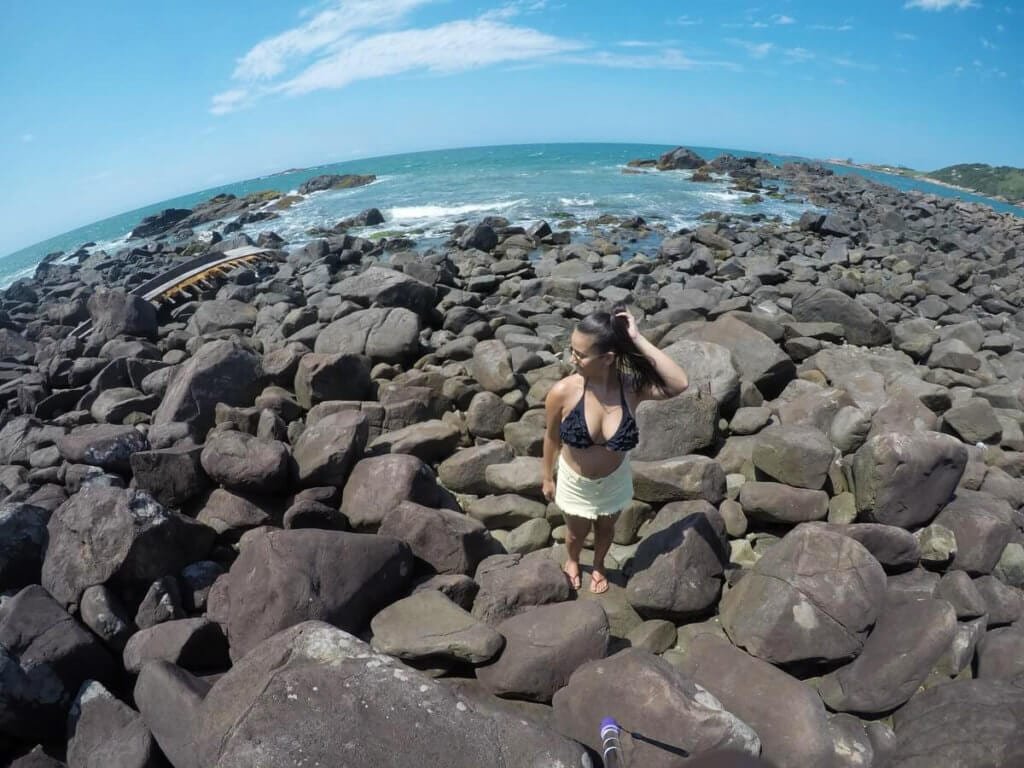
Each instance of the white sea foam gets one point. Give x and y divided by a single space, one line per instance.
6 282
426 212
583 202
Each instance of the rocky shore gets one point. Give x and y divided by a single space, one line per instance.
298 520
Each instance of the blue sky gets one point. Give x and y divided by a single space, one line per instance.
110 106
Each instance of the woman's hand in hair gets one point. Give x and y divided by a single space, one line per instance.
631 329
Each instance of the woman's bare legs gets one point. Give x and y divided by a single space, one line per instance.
604 530
577 529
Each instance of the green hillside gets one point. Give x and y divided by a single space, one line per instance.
989 180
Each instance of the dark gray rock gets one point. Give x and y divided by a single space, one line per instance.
346 688
860 324
282 578
429 628
109 446
124 537
22 544
677 570
813 596
907 641
543 647
671 716
442 541
219 372
511 584
115 313
905 480
246 464
106 732
785 712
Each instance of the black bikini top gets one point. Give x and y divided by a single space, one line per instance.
575 434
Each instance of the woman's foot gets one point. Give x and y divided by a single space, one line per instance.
598 582
572 570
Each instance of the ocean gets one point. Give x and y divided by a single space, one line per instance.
424 194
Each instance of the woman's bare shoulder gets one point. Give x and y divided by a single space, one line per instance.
564 389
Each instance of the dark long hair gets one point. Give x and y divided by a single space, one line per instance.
611 334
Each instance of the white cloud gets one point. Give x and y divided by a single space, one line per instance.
799 54
229 101
270 57
940 5
452 47
988 44
686 21
669 58
513 9
838 81
958 70
844 27
782 19
1000 28
905 36
346 43
645 43
28 138
756 50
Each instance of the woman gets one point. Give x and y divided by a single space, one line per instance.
591 428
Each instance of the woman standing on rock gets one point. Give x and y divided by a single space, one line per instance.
591 429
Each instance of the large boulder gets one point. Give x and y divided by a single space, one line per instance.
961 724
327 450
511 584
983 525
22 544
680 158
492 366
906 643
380 483
465 471
666 717
543 647
316 691
246 464
45 656
860 325
427 627
794 455
385 335
677 570
120 536
781 504
754 355
170 700
786 713
115 313
323 377
708 367
218 316
109 446
812 597
906 479
442 541
676 427
682 479
104 731
335 181
282 578
384 287
172 476
219 372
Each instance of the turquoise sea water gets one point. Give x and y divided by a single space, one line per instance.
426 193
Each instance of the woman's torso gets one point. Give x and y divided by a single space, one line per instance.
604 419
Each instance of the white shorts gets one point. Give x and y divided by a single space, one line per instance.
589 497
